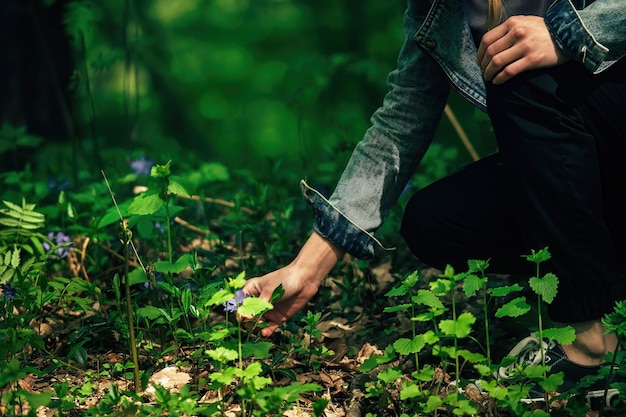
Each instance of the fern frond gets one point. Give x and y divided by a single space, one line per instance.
20 219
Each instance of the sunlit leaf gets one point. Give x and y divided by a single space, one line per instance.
514 308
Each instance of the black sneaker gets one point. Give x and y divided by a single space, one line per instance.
528 352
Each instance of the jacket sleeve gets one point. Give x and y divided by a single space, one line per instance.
384 160
594 36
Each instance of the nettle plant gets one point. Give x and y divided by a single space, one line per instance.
466 382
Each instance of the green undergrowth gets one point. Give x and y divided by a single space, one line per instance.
142 270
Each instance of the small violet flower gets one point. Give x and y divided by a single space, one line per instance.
232 305
56 184
142 166
8 292
59 239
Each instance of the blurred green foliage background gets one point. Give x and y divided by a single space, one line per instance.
283 88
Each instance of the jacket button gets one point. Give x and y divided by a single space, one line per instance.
431 43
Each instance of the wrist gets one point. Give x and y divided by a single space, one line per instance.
317 258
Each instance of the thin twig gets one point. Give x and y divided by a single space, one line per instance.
462 135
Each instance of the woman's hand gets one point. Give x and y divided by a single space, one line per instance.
519 44
300 280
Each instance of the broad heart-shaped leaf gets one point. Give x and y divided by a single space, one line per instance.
146 204
222 355
552 382
505 290
563 335
461 327
257 350
429 299
545 287
473 283
514 308
405 346
389 375
253 306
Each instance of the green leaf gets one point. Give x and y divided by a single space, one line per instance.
433 403
253 306
137 276
539 256
399 307
161 171
472 284
237 282
411 279
477 265
460 328
220 297
428 298
15 258
405 346
375 360
441 286
563 335
148 312
545 287
397 291
389 375
278 293
410 391
513 308
185 299
257 350
222 355
36 400
552 382
472 357
177 267
176 187
146 204
505 290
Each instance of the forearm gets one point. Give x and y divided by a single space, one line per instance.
317 258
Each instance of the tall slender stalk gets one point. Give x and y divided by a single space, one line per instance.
126 236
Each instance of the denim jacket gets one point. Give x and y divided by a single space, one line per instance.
439 53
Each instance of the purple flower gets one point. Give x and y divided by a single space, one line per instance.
232 305
59 240
8 292
142 166
55 184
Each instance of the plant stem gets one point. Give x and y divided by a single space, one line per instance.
127 235
487 340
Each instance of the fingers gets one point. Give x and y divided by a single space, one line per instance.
519 44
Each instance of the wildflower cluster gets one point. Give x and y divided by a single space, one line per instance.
8 292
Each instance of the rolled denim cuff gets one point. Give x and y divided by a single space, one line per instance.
333 225
571 35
